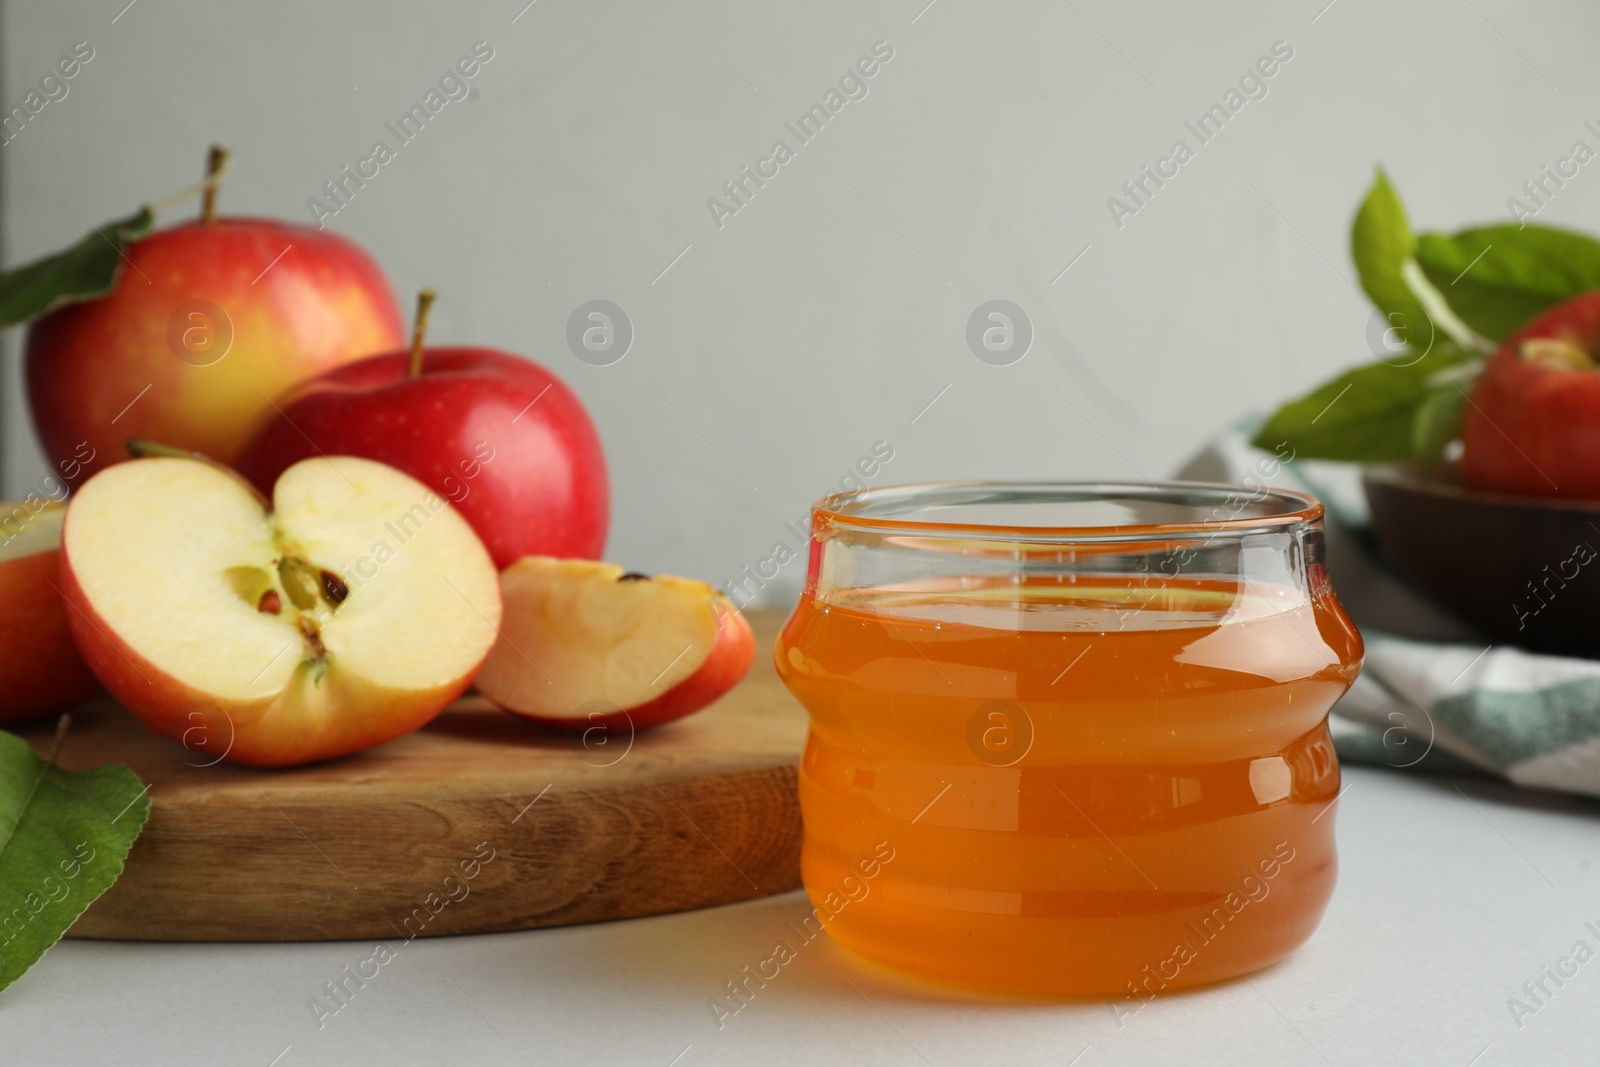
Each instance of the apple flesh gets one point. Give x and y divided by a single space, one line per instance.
1533 425
577 633
349 613
40 671
498 436
296 301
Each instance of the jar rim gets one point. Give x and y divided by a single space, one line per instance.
1262 508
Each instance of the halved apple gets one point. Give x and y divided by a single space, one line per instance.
349 613
579 634
40 669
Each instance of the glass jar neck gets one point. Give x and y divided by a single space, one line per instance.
1042 540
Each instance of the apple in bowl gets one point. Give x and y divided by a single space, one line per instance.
1532 427
350 610
578 633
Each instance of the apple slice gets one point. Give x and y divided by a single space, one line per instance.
579 633
40 669
349 614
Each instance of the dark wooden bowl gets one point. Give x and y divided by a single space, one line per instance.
1525 571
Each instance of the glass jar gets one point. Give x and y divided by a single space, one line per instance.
1068 738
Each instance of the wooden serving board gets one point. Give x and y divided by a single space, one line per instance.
478 822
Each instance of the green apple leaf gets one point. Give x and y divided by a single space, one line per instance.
1496 278
1436 422
87 269
1384 250
1364 415
63 838
1380 243
1443 301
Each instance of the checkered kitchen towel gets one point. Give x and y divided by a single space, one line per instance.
1432 696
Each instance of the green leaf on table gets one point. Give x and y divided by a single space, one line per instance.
87 269
1496 278
1365 415
1380 243
63 838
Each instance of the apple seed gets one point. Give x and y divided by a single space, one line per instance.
334 590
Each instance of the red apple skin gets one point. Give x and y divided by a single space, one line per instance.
728 662
1533 425
40 671
498 436
325 302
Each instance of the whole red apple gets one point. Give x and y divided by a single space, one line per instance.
500 437
207 324
1533 425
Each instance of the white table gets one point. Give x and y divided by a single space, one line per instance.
1447 903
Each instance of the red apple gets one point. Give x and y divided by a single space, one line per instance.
207 324
350 612
1533 425
40 669
498 436
577 632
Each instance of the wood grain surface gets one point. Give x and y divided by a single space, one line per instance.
478 822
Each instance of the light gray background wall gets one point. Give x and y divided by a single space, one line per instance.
829 312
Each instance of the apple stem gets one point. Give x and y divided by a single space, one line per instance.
62 726
419 330
140 447
216 160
